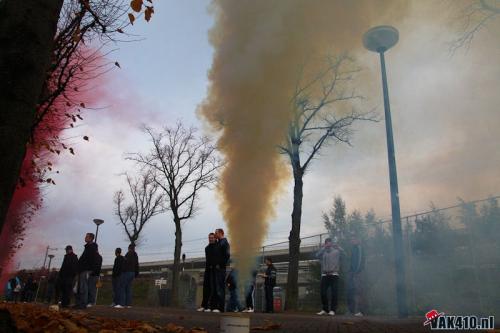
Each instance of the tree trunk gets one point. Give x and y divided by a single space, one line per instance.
177 261
27 30
294 243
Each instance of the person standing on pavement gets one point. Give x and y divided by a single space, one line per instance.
233 304
354 279
129 273
117 271
269 284
93 279
223 256
207 304
249 295
86 265
329 257
67 273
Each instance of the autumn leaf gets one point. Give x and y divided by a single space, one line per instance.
72 151
148 12
117 64
136 5
79 117
86 138
119 30
82 105
131 17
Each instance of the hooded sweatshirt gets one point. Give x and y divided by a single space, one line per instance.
330 261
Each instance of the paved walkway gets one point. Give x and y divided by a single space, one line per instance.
302 323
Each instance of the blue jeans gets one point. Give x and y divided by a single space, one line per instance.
234 302
83 288
126 279
92 289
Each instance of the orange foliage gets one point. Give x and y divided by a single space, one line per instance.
35 318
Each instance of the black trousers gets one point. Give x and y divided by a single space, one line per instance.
332 282
218 289
66 285
269 298
207 288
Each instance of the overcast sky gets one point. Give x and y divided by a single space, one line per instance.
445 118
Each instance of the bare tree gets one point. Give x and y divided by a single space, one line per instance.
318 118
474 17
148 200
184 164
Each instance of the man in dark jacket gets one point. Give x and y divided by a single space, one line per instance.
86 265
354 277
67 273
117 271
207 304
269 284
223 256
93 279
130 271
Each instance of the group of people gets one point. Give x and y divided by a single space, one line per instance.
87 271
80 276
329 257
219 275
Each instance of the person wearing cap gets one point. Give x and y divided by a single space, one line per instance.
329 258
67 273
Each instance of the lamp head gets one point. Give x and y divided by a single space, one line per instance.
380 39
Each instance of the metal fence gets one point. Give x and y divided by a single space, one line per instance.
452 259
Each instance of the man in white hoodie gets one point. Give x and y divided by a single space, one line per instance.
329 257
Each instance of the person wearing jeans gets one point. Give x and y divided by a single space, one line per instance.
329 257
86 265
130 271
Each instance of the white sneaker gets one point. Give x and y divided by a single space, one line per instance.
245 311
89 305
331 313
321 313
358 314
118 306
216 310
208 310
251 310
236 310
201 309
129 306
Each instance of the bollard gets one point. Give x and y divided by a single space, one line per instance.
234 323
277 299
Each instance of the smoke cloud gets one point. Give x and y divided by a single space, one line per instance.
259 46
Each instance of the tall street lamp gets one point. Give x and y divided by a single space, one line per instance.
50 260
380 39
97 222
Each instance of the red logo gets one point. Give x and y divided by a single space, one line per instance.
431 315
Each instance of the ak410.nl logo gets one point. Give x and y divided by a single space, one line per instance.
439 321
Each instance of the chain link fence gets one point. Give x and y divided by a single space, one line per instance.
452 259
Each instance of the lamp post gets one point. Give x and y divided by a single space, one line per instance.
380 39
97 222
50 260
